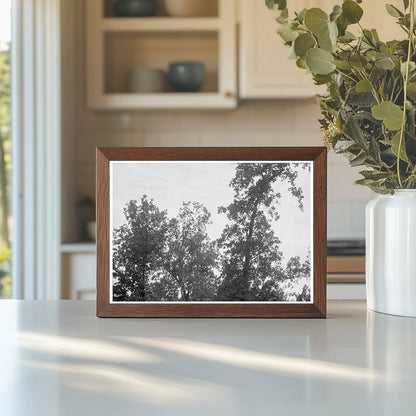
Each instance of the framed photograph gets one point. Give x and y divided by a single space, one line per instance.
211 232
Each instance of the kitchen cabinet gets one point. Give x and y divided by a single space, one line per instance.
118 45
265 70
78 271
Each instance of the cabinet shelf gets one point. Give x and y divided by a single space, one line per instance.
198 100
160 24
117 45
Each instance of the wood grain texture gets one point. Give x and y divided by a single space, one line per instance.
317 309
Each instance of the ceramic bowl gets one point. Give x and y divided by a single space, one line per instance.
147 80
135 8
186 76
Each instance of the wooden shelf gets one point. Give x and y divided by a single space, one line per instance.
346 264
160 24
87 247
197 100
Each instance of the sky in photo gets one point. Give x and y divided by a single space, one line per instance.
171 184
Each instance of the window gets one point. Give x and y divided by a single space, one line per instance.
5 147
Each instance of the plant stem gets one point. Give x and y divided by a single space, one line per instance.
406 80
346 75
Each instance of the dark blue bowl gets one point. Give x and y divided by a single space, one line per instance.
186 76
135 8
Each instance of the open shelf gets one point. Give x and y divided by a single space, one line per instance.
86 247
167 100
126 51
210 9
160 24
119 45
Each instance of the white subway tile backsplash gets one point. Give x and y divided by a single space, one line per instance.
86 180
173 138
232 138
156 119
95 120
202 120
280 137
346 219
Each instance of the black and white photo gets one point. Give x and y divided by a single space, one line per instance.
208 231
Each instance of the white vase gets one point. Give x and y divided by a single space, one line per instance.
391 253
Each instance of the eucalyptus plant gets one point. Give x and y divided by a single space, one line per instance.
369 111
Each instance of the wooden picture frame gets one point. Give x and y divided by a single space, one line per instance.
243 158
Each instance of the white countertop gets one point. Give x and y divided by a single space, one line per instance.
57 358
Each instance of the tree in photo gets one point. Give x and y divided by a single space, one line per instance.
189 259
297 286
138 249
250 249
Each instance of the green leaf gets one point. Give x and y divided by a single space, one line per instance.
316 20
325 42
321 79
358 61
406 4
333 32
412 67
388 112
358 160
287 33
374 175
347 37
363 86
342 25
374 150
394 145
393 11
362 99
301 63
303 43
343 145
301 15
375 35
368 36
354 132
384 62
411 90
320 61
365 182
344 65
336 12
276 4
351 11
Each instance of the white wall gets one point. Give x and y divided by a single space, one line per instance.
259 123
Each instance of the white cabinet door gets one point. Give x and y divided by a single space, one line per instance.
265 68
78 276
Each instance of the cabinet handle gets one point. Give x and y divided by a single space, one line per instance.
229 94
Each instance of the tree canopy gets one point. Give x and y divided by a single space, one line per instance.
157 258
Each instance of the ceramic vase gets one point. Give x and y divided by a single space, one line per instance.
391 253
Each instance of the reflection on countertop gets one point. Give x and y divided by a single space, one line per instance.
355 362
